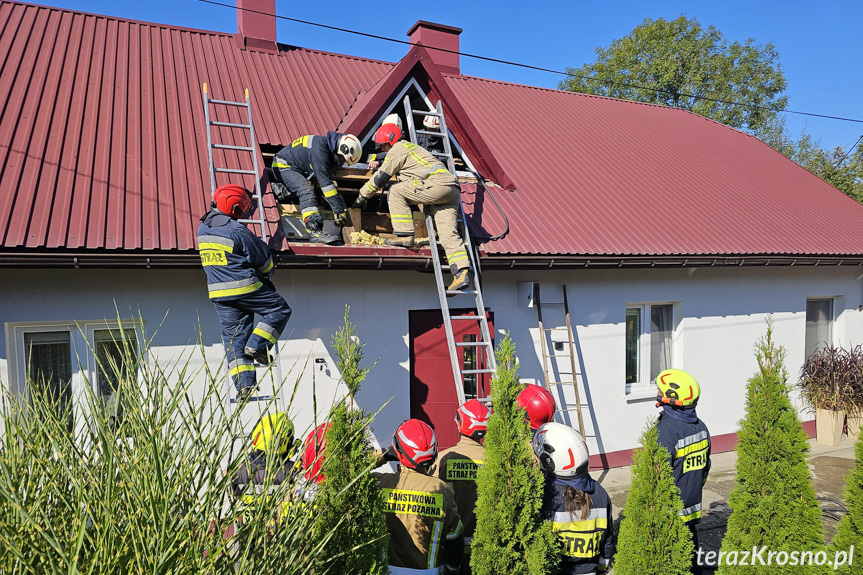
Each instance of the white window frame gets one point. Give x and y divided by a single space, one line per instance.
81 347
644 388
834 319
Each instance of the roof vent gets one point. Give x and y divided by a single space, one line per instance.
433 35
256 25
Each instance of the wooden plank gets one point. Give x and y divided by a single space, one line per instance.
355 224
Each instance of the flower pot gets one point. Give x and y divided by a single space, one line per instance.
854 424
828 425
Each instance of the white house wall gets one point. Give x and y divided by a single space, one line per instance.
720 314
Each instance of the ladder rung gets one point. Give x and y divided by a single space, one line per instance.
559 355
423 113
225 102
460 292
232 171
428 133
561 382
230 125
553 329
227 147
254 398
439 154
469 371
468 317
471 343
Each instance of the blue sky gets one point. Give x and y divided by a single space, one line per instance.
818 41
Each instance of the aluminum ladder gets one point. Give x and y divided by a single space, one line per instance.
273 370
548 352
473 257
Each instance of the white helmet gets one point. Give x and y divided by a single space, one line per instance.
561 450
431 122
394 119
350 149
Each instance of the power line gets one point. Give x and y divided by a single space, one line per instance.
539 68
848 153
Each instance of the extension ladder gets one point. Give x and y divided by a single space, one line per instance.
548 353
485 342
245 109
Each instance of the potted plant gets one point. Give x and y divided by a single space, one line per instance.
830 381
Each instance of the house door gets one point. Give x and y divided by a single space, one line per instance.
433 396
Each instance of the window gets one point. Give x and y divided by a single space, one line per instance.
819 324
649 329
469 363
59 358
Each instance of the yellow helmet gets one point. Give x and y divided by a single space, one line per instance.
677 388
273 434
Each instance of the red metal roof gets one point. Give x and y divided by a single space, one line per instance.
102 136
603 176
102 145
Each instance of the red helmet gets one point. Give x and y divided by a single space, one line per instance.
313 448
539 404
472 419
415 444
388 134
232 200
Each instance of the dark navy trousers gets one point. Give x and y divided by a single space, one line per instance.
236 318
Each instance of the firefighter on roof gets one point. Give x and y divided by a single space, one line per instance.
426 533
459 465
317 156
687 440
579 508
422 179
239 267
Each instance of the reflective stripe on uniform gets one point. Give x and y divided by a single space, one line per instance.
240 287
330 191
265 331
241 365
266 267
309 212
690 439
402 218
435 540
215 243
580 538
456 256
692 448
277 163
691 513
410 148
434 170
456 531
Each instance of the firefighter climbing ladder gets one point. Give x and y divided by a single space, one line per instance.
273 370
485 342
548 351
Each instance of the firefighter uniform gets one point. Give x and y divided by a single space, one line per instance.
307 156
426 533
688 443
422 179
458 466
238 267
587 545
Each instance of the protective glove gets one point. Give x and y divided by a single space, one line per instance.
390 454
341 218
361 202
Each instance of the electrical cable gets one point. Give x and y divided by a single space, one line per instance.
848 153
539 68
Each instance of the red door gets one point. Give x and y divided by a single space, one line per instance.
433 395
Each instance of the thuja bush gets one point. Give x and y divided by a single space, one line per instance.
850 532
146 492
773 502
349 513
653 539
510 535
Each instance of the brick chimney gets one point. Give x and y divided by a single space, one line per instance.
256 25
434 35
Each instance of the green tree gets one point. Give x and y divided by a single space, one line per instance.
668 61
653 539
511 536
773 502
349 515
851 526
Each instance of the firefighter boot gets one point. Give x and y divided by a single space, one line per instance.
460 280
244 392
401 241
317 235
261 357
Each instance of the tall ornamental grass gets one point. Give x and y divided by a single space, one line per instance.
145 492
